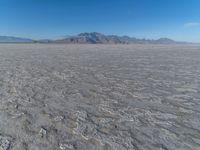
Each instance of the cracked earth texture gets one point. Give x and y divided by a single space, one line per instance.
99 97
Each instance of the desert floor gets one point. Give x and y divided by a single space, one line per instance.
99 97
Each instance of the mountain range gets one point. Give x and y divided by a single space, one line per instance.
10 39
91 38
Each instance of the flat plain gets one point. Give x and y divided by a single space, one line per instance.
99 97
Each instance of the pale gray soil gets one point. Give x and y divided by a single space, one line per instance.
99 97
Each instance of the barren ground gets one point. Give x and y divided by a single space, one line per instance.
99 97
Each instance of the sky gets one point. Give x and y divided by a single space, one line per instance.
152 19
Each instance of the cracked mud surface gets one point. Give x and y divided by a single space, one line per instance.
99 97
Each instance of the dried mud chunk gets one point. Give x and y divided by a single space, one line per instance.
58 118
5 143
66 147
43 132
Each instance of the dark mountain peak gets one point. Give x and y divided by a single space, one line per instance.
91 34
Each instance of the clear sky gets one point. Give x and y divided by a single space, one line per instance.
176 19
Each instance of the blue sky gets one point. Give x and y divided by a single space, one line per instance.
176 19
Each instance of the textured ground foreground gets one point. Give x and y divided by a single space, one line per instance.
98 97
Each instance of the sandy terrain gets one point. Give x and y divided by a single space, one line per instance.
99 97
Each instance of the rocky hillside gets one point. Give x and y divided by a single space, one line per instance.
98 38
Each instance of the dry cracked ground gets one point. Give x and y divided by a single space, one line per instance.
99 97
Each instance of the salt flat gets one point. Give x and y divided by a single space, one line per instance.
99 97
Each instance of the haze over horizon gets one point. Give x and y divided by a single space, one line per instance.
151 19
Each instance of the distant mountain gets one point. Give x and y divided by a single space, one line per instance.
98 38
165 41
44 41
92 38
10 39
